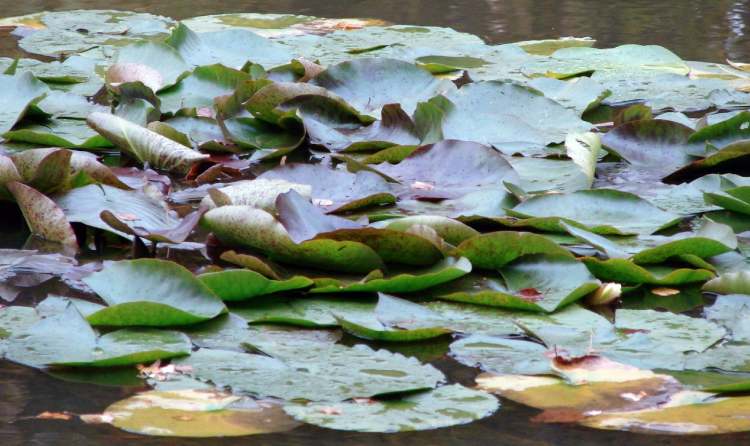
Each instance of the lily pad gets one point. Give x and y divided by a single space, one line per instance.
334 372
502 355
730 283
369 84
409 281
442 407
625 271
257 229
489 113
144 145
603 211
496 249
239 284
197 413
19 92
151 292
336 190
539 282
66 339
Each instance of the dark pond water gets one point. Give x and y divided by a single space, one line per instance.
695 29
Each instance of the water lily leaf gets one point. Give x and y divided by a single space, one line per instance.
197 413
392 246
175 235
231 47
369 84
8 173
603 211
736 199
408 281
605 388
60 104
484 112
259 193
155 64
144 145
238 284
44 218
67 133
66 339
449 170
547 175
656 146
501 355
335 190
727 160
56 170
151 292
257 229
442 407
271 140
201 132
450 230
698 415
199 89
334 372
70 32
547 47
568 62
730 311
304 221
496 249
14 320
625 271
584 150
307 312
724 132
713 239
538 282
19 92
730 283
578 94
86 204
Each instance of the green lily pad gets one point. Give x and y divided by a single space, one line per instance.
538 282
656 146
66 339
232 48
603 211
547 175
369 84
490 113
257 229
578 94
334 372
19 93
501 355
730 283
736 199
144 145
725 160
336 190
409 281
240 284
731 311
494 250
151 292
625 271
68 133
197 413
159 57
442 407
86 204
13 320
200 87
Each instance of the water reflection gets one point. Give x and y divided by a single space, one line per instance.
695 29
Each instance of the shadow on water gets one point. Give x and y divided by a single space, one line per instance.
695 29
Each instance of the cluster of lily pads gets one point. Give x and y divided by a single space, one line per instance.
565 215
